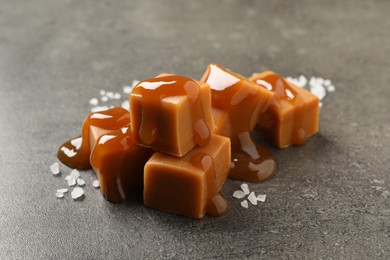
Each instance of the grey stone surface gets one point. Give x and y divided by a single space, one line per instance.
330 199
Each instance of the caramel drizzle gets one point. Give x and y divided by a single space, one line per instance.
77 156
155 89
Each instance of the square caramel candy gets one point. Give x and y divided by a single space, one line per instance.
222 124
293 114
235 94
178 185
171 114
119 164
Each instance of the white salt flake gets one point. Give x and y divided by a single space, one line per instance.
331 88
239 194
68 177
110 94
102 92
80 182
117 96
244 204
96 184
252 198
245 188
59 195
71 182
75 174
302 81
94 101
127 89
68 152
55 168
62 190
126 105
261 197
77 193
327 82
98 108
318 90
77 142
104 98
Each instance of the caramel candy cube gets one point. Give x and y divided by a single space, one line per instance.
119 164
177 185
292 115
171 114
222 124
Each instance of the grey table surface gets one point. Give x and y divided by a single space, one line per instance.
329 199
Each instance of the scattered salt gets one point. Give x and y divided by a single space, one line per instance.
62 190
117 96
318 90
104 98
110 94
261 197
96 184
127 89
252 198
331 88
239 194
68 152
76 142
68 177
93 101
75 174
98 108
77 193
102 92
244 204
59 195
55 168
71 182
245 188
80 182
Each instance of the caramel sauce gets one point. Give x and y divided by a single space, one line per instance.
216 204
155 89
233 93
284 92
75 153
119 164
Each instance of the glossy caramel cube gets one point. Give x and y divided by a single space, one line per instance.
222 125
177 185
119 164
292 115
166 120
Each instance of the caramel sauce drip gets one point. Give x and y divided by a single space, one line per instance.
284 91
216 204
155 89
230 92
75 153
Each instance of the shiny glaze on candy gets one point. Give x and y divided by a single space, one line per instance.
241 99
75 153
155 89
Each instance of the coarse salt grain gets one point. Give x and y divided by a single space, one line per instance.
93 101
75 174
71 182
110 94
104 98
331 88
239 194
245 188
80 182
59 195
76 142
55 168
252 198
244 204
68 152
261 197
68 177
96 184
102 92
127 89
77 193
62 190
117 96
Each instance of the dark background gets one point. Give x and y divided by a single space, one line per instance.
329 199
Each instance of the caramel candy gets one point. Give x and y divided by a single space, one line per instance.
189 185
75 153
171 114
243 101
293 114
119 164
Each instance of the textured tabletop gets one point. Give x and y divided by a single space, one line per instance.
329 199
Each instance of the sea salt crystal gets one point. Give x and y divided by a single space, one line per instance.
75 174
302 81
252 198
318 90
110 94
104 98
331 88
244 204
127 89
68 152
62 190
55 168
93 101
59 195
117 96
77 142
245 188
327 82
71 182
102 92
98 108
77 193
239 194
261 197
80 182
96 184
68 177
